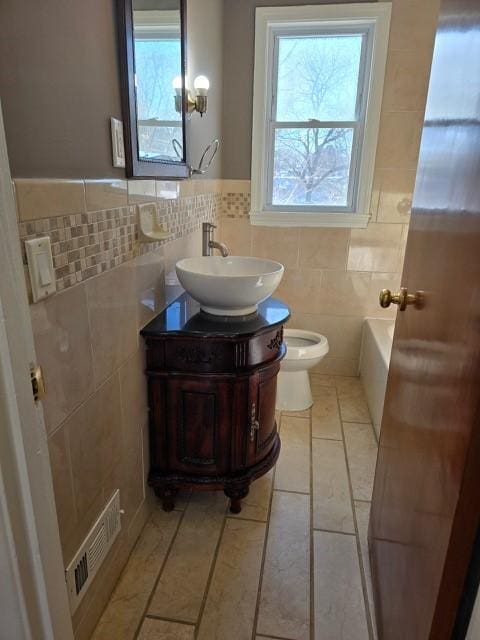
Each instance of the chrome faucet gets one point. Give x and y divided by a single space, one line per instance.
208 243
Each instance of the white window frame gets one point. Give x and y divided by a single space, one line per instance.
374 20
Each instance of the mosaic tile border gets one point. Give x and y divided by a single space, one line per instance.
88 244
236 205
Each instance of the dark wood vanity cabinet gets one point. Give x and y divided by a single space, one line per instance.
212 388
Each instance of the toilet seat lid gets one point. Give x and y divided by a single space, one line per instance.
302 345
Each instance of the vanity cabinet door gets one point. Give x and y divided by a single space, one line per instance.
199 419
262 425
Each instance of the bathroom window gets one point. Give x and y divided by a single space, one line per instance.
317 95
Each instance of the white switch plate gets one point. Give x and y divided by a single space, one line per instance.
40 267
118 147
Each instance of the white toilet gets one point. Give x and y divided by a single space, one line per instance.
305 349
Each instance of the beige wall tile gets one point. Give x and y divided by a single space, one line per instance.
351 397
206 185
332 507
180 591
237 235
413 24
95 437
128 477
293 466
133 396
399 139
323 248
300 290
276 244
127 604
45 198
343 293
339 605
113 319
362 514
236 186
406 80
362 457
344 333
230 606
337 366
167 189
256 505
63 345
285 603
396 193
376 248
141 191
105 194
326 415
161 630
63 485
150 285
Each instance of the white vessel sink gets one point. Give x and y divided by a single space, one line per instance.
230 286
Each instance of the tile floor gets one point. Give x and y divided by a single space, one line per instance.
292 566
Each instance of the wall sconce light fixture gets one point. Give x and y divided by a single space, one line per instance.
196 102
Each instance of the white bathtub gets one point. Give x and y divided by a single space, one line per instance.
374 363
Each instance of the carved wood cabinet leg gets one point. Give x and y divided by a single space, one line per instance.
236 495
167 495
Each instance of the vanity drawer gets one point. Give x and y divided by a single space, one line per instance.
199 356
213 356
265 347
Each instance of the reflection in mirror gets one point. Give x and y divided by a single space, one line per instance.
158 68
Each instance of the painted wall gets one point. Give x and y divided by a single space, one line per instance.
59 82
238 56
59 86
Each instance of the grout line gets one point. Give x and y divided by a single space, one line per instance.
264 552
358 422
298 493
329 439
363 580
340 533
311 554
152 616
274 637
239 517
174 537
210 575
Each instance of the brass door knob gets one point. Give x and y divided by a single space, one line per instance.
402 298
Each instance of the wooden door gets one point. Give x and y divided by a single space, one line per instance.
426 501
262 425
199 415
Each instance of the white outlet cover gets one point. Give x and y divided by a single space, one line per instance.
118 147
40 267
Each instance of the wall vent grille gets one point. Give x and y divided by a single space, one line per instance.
91 554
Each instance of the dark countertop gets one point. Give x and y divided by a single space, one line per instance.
184 317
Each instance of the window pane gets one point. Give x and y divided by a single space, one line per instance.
318 77
157 63
311 167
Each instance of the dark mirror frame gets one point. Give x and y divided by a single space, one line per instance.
136 168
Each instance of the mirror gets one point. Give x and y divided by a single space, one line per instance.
152 42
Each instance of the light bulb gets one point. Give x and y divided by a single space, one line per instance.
201 85
177 85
